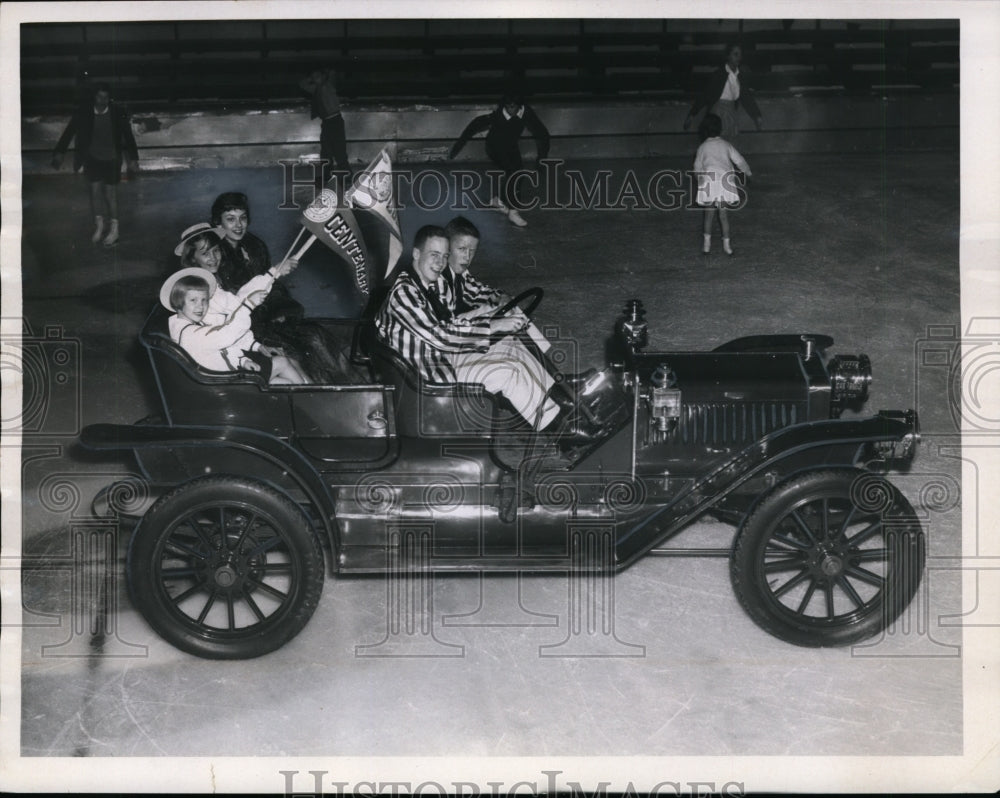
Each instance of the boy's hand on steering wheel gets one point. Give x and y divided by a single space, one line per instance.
517 313
506 325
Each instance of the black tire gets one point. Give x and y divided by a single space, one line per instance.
225 568
828 558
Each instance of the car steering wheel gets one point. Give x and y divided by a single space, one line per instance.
534 294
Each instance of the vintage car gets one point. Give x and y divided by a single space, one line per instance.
263 489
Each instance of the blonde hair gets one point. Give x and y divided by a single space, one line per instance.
181 288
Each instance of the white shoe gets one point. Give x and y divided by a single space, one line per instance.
112 237
725 247
516 218
98 230
497 204
706 245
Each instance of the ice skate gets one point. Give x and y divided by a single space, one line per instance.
516 218
112 237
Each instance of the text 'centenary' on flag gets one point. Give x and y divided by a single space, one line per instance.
335 226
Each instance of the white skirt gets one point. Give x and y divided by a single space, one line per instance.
713 188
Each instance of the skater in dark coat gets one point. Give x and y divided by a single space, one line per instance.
103 139
504 126
729 88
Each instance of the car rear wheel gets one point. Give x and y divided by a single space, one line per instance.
225 568
828 558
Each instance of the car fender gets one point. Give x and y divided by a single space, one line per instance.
890 436
786 342
281 459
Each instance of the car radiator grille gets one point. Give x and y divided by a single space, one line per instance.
725 424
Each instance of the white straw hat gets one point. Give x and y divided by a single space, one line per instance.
192 231
191 271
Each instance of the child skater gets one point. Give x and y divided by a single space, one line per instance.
228 346
716 164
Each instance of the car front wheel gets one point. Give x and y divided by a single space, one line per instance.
225 568
828 558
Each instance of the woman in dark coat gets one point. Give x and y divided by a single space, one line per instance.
278 320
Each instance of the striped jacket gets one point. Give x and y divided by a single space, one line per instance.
467 292
409 324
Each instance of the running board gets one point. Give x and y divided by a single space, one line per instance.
381 560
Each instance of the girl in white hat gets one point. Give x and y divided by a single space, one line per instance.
225 346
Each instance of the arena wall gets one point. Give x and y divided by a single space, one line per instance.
420 133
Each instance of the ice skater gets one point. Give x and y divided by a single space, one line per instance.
727 90
321 87
716 165
505 124
103 136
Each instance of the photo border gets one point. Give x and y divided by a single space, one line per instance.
975 771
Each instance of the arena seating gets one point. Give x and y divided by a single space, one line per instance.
209 64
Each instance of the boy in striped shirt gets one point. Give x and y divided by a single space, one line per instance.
418 320
472 296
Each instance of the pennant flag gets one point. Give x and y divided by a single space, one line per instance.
334 225
373 191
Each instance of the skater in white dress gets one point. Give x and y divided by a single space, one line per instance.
718 165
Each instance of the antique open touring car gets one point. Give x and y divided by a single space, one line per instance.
264 488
